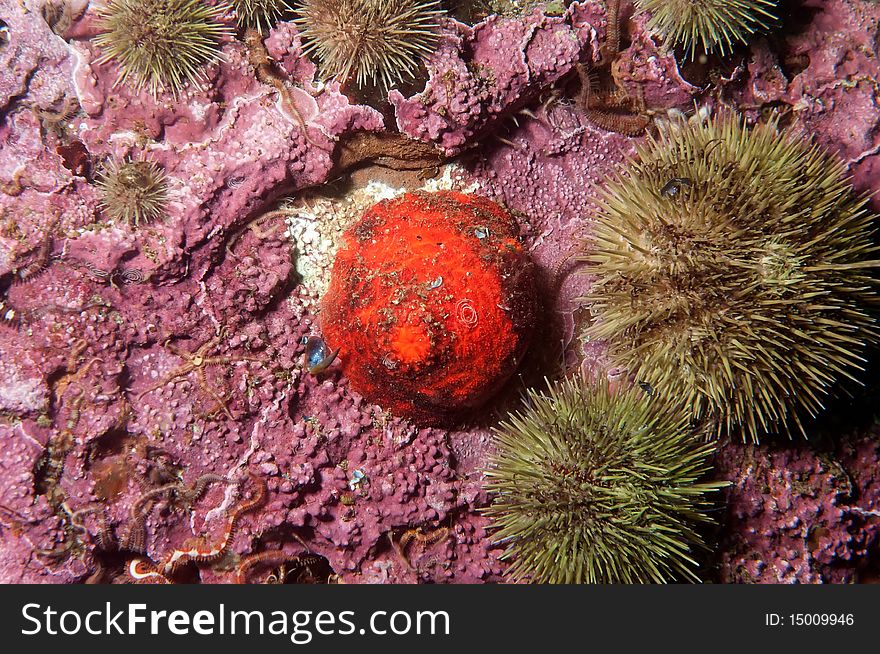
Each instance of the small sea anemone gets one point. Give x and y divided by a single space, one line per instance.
160 44
377 41
260 14
708 25
733 273
133 191
432 304
598 486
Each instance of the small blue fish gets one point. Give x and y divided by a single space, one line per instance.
674 186
356 478
647 388
8 314
316 358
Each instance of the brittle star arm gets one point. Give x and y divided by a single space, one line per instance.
198 362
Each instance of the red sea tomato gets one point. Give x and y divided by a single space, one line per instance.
431 303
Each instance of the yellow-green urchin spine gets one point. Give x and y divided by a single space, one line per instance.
733 274
133 192
369 41
593 485
708 25
160 44
259 14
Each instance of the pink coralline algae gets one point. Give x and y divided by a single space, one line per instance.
801 515
463 97
151 377
826 75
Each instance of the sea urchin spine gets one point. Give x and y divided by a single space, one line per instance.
597 486
733 273
259 14
160 44
133 191
376 41
708 25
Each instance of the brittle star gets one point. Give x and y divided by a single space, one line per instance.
198 362
611 109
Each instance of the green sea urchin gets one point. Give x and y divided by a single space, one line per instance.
376 41
133 191
709 25
598 486
160 44
733 273
260 14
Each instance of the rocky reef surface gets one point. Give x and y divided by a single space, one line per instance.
151 376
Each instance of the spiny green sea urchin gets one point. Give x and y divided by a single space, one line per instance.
160 44
260 14
708 25
597 486
733 273
134 192
376 41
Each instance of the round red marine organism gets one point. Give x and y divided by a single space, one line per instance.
431 303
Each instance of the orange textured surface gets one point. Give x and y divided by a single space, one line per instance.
431 301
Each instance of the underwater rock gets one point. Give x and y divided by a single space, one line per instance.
799 514
480 73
